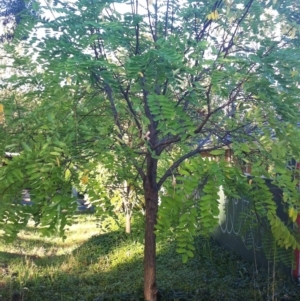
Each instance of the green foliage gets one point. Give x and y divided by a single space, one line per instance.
146 93
50 192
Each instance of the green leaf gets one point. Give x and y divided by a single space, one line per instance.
184 258
245 148
217 152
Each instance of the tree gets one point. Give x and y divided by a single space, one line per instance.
11 14
157 86
125 195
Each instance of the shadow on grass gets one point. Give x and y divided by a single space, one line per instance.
5 257
110 267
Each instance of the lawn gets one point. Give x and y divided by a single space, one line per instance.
97 265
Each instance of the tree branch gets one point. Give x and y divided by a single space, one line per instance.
177 163
167 18
125 94
230 43
108 91
156 20
149 17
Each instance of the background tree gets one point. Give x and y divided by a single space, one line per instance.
158 87
11 12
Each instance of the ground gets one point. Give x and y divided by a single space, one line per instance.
94 264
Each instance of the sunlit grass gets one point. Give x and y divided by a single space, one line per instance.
30 242
96 265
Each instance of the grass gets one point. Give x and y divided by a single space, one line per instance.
92 265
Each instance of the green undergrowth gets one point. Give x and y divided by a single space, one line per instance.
92 265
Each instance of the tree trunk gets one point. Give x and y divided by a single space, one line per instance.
128 223
126 204
151 199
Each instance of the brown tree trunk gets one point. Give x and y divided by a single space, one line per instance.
128 223
151 198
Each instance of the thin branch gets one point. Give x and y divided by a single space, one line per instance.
132 7
231 43
177 163
165 85
137 34
187 93
125 94
172 18
149 17
108 91
167 18
156 20
50 9
231 100
208 98
207 22
152 127
166 143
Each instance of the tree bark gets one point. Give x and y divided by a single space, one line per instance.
127 209
128 223
151 199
